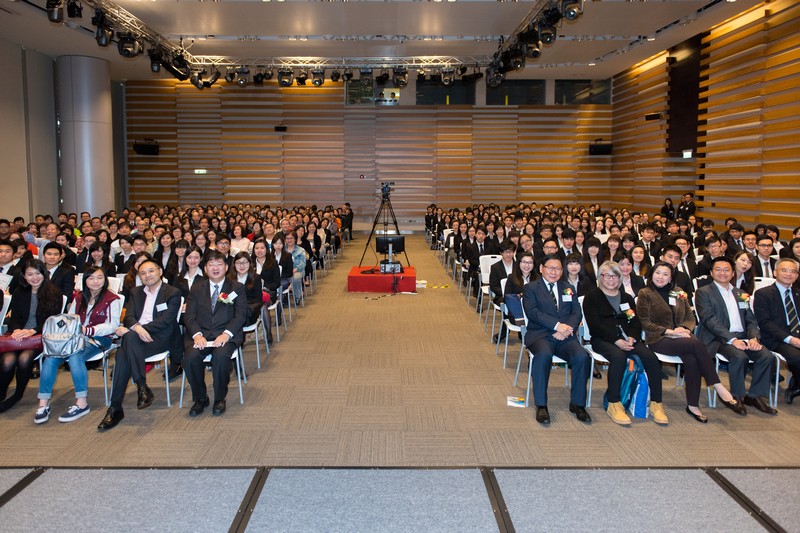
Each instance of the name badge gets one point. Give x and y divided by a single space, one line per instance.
566 298
742 305
673 301
624 307
161 307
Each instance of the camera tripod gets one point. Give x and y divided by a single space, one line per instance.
386 210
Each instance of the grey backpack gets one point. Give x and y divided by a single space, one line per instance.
62 335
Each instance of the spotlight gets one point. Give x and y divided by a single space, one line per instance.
241 76
516 57
212 80
230 75
348 74
530 35
472 78
551 16
400 77
318 77
301 77
285 77
420 77
462 70
156 57
128 45
366 76
197 78
55 10
178 67
547 33
335 76
74 9
533 50
258 78
572 9
268 74
382 78
103 32
494 77
448 76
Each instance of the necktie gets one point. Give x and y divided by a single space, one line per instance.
647 248
552 294
480 249
685 267
791 312
766 269
739 244
214 297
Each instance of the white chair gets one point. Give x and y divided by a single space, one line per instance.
486 262
760 282
236 356
773 393
696 281
4 312
115 285
496 308
254 328
278 308
586 341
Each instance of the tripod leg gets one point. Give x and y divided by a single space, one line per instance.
372 232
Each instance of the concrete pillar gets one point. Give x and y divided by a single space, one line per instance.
87 152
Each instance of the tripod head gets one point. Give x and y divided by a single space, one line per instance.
386 189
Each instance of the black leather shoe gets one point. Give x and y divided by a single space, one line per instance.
498 338
542 414
580 412
700 418
113 417
792 391
219 408
759 403
735 406
145 397
199 406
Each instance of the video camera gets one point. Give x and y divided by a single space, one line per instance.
386 189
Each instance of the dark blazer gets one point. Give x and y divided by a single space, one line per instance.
271 278
715 325
121 264
542 312
70 257
655 250
704 266
286 265
232 317
182 284
691 264
164 327
81 260
604 321
64 279
771 316
472 256
685 210
758 268
683 282
637 284
657 315
496 275
21 307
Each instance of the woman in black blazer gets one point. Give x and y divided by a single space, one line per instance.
284 260
631 283
244 273
35 299
610 314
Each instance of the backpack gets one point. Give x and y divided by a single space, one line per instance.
634 390
62 335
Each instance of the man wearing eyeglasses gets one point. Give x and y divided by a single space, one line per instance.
498 272
729 327
776 308
554 315
764 263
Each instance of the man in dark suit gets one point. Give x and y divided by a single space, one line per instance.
648 240
472 253
764 265
554 315
734 239
713 250
123 261
776 308
215 315
729 327
671 255
150 327
686 207
7 265
61 275
549 246
500 271
567 245
686 263
83 259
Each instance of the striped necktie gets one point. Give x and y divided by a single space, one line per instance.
552 294
214 297
791 312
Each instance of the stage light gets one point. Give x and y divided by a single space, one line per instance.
301 77
317 77
400 76
285 77
382 78
448 76
230 75
530 35
572 9
335 76
128 45
348 74
177 66
196 78
533 50
258 78
55 10
103 32
547 33
462 70
551 16
516 58
494 77
472 78
268 74
420 77
366 76
74 9
156 58
241 76
212 80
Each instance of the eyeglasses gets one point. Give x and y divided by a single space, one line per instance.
553 269
609 276
787 271
242 262
765 245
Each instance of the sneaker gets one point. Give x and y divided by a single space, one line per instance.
74 413
617 414
659 416
42 415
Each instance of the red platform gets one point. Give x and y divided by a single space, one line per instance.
358 282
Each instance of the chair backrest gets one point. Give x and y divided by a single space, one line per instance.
586 337
79 281
696 282
486 262
114 285
6 305
64 301
760 282
503 285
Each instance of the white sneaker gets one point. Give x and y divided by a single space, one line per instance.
42 415
74 413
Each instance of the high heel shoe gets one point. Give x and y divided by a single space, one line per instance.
735 406
700 418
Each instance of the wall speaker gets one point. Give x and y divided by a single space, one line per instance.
146 147
652 116
600 148
280 128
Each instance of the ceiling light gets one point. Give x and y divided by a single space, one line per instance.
318 77
448 76
230 75
533 50
572 9
420 77
177 66
55 10
197 78
155 60
258 78
241 76
285 77
301 78
103 32
348 74
74 9
128 45
530 35
547 33
212 80
382 78
494 77
268 74
366 76
516 58
400 77
335 76
551 16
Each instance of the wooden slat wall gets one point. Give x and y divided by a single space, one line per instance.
750 160
452 155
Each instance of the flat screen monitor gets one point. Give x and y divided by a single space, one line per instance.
398 243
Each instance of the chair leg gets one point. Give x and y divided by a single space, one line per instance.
528 387
239 372
166 379
591 382
183 387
